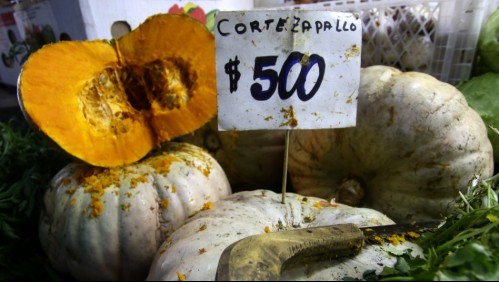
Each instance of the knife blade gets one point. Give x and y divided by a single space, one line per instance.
262 257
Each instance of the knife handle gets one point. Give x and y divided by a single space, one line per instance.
262 257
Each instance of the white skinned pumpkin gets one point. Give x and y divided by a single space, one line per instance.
193 251
107 223
416 144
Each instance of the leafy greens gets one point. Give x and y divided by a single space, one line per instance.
27 163
464 248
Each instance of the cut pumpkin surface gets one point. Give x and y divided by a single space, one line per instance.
109 103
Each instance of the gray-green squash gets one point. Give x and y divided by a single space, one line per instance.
193 251
107 223
417 143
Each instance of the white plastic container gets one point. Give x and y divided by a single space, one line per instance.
437 37
94 19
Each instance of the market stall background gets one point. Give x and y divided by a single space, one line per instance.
458 48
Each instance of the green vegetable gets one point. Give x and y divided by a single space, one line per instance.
481 94
27 163
488 44
464 247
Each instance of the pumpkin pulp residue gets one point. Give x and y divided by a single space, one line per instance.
267 229
353 51
113 100
289 116
96 180
207 206
164 203
190 157
180 276
394 239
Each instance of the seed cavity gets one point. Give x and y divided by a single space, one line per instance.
112 100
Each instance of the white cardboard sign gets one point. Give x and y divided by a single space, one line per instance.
287 69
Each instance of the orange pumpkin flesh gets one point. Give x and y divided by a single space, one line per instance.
111 103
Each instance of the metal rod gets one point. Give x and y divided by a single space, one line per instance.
285 168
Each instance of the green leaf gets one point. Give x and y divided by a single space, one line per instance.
393 250
468 255
402 265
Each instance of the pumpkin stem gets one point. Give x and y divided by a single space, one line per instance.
351 192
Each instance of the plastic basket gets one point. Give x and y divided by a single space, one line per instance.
437 37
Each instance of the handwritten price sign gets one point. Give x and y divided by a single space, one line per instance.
287 69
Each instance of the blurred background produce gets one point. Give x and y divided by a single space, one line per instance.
481 90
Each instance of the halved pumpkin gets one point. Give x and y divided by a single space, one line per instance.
109 103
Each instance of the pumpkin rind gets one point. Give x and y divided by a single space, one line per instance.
190 47
194 249
107 223
109 103
416 144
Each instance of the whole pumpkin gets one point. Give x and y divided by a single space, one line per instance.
416 144
193 251
107 223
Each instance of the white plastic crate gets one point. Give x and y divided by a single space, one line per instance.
95 19
437 37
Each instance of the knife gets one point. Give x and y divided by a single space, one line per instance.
262 257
